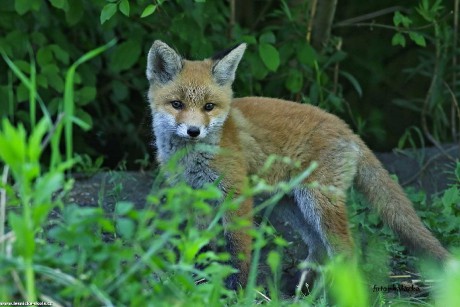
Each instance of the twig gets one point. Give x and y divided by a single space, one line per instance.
7 237
232 19
424 166
263 295
14 273
300 285
51 132
454 109
48 299
322 23
337 68
431 138
18 283
454 75
423 115
401 276
3 207
261 14
368 16
378 25
310 22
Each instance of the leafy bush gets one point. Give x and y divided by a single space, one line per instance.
109 92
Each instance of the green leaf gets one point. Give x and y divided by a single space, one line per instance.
267 37
269 56
149 10
68 257
274 261
125 227
24 235
294 81
42 81
22 93
344 292
75 11
286 10
60 54
60 4
451 196
353 82
123 207
84 117
23 66
417 38
85 95
47 185
13 146
40 212
126 55
193 247
400 19
51 72
258 68
397 18
108 11
23 6
314 93
120 90
249 39
335 101
457 170
34 142
398 39
44 56
307 55
124 7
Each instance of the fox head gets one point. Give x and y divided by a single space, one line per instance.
190 99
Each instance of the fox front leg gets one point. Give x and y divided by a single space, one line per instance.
239 245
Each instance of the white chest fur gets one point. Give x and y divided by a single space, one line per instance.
192 159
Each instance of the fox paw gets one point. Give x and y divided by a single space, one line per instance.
232 282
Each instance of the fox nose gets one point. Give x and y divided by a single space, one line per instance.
193 131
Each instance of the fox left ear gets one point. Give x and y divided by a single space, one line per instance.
163 63
226 63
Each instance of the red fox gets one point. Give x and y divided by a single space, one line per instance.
192 104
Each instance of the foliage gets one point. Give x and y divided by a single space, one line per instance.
439 108
35 191
279 62
109 95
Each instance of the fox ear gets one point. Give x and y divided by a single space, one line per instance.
225 64
163 63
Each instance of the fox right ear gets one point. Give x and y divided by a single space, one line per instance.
225 64
163 63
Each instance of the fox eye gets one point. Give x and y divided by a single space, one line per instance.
176 104
209 106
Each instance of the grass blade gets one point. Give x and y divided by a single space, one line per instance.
69 94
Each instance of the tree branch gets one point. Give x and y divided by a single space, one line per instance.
322 23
